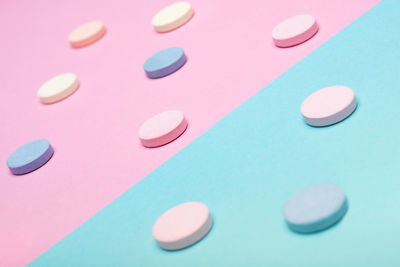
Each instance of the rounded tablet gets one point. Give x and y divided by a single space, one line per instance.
164 62
315 208
294 30
162 128
182 225
58 88
172 16
328 105
86 34
30 156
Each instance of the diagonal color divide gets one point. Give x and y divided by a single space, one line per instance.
247 165
94 132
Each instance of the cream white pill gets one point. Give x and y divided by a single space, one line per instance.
58 88
172 16
294 30
182 225
162 128
328 105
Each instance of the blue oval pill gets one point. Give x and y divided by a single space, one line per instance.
30 156
315 208
164 62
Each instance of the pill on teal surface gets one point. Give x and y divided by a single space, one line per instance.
30 156
182 225
315 208
329 105
164 62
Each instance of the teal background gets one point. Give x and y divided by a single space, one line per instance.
247 165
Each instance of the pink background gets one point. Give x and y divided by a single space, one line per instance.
94 132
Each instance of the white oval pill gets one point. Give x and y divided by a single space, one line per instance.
162 128
294 30
328 105
58 88
87 33
182 225
172 16
315 208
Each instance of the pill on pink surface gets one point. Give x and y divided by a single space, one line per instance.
58 88
328 105
294 30
30 156
182 225
87 33
162 128
172 16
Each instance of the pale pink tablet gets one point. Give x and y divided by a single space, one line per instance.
87 33
182 225
162 128
329 105
294 30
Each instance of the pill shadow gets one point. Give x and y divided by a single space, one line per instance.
64 98
193 14
18 175
184 131
101 36
288 47
203 239
185 58
349 117
318 232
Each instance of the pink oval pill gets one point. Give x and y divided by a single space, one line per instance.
87 33
162 128
294 30
182 225
329 105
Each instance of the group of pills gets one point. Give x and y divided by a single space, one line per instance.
156 131
312 209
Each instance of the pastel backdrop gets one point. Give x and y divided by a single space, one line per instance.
246 166
94 132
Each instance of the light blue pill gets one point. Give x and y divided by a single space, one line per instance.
30 156
315 208
164 62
